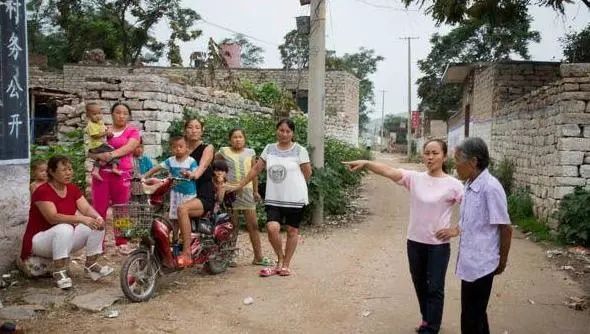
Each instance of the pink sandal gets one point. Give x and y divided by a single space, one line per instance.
267 272
285 272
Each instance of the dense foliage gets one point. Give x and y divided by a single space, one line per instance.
573 213
576 46
124 29
453 11
268 94
75 151
520 204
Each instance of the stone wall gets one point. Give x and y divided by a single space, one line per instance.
489 87
547 134
14 209
155 102
341 101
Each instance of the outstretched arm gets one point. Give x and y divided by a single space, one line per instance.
395 174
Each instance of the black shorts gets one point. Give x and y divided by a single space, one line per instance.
208 203
292 216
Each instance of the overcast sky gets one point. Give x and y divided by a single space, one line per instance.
373 24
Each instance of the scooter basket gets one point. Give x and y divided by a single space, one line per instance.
133 219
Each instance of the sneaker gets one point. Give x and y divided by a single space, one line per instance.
62 280
95 271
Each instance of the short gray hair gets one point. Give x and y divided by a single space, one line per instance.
475 147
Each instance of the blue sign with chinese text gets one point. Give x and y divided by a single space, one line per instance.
14 119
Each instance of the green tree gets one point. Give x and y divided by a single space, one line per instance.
64 30
295 50
251 55
457 11
576 46
474 40
181 20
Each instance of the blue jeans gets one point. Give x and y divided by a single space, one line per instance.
428 267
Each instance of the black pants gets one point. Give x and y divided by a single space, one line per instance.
474 303
428 267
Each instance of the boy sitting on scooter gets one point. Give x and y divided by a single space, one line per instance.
178 165
223 199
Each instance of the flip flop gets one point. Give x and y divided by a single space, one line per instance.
265 262
285 272
183 261
267 272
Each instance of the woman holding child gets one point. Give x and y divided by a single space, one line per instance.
433 194
115 188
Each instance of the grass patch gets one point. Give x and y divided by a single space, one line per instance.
539 231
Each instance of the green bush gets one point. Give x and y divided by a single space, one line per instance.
520 208
335 180
520 204
504 172
269 95
75 151
574 217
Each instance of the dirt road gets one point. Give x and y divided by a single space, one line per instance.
352 279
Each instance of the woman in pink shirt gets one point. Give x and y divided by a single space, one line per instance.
114 188
433 194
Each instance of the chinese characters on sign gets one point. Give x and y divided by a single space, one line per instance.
14 120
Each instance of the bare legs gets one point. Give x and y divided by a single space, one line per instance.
274 236
188 209
252 228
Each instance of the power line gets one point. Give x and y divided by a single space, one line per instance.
385 6
332 34
237 32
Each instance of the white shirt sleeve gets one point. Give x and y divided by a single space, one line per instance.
264 153
303 155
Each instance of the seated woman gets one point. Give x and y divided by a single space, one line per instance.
54 230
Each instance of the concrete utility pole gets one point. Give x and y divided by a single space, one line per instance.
409 127
382 140
317 93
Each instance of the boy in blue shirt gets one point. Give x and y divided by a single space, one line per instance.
178 165
142 163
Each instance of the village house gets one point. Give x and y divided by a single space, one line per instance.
534 114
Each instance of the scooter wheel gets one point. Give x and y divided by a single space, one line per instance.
139 276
